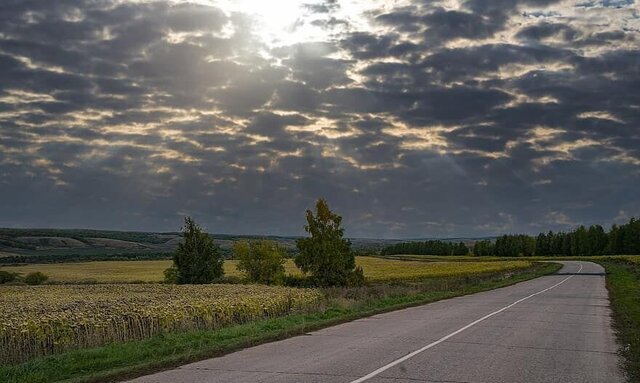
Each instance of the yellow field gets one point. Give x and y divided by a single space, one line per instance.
102 271
108 271
378 269
41 320
116 271
375 269
628 258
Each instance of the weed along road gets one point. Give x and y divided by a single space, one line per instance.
555 328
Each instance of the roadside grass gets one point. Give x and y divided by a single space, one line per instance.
120 361
623 283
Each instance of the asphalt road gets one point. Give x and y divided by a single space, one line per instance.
555 328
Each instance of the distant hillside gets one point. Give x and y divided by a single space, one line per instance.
67 245
72 245
81 234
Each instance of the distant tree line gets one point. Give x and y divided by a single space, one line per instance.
432 247
72 257
514 245
582 241
7 234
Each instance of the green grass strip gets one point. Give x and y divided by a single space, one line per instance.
127 360
623 283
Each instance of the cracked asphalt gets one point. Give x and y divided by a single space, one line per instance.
563 334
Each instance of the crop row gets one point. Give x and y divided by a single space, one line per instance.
42 320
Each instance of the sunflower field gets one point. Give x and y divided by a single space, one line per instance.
42 320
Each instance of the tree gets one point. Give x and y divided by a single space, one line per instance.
614 243
543 244
597 240
260 261
431 247
461 249
579 244
555 242
325 254
510 245
631 237
483 248
197 259
566 244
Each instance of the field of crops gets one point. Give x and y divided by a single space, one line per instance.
41 320
375 269
629 258
379 269
114 271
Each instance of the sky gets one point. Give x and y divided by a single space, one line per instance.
412 118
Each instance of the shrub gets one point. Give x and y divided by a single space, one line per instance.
228 280
356 277
297 281
35 278
171 275
6 276
260 261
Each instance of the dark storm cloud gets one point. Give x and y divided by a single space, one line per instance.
272 124
445 25
544 30
439 119
296 96
365 46
309 63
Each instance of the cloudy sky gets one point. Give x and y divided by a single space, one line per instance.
413 118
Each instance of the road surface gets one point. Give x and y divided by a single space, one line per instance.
555 328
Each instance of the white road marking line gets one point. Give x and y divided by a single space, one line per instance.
437 342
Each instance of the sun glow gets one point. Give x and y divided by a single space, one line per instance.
287 22
279 23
